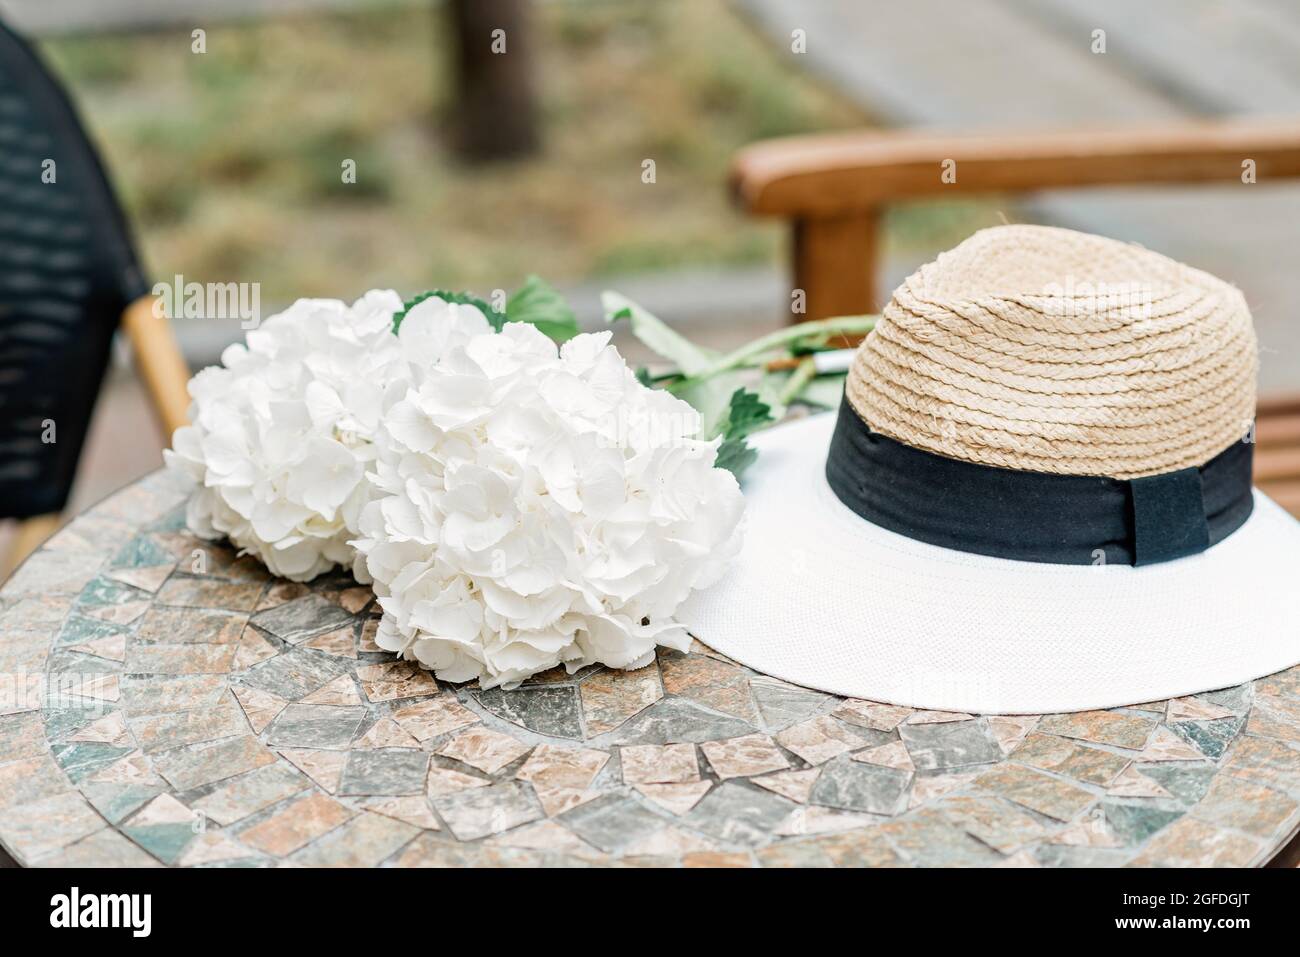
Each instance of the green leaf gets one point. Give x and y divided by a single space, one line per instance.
711 398
735 456
825 391
657 335
770 388
497 319
536 302
746 414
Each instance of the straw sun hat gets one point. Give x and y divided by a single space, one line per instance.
1036 496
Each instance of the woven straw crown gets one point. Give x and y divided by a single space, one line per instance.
1048 350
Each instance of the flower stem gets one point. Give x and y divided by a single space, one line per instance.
839 326
804 373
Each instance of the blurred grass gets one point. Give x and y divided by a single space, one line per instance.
230 161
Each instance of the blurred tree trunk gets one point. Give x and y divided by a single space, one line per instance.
494 113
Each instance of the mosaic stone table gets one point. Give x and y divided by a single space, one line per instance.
166 702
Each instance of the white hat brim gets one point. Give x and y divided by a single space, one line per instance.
822 598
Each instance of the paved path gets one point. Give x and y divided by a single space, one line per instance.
1019 64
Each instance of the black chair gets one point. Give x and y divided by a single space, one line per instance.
69 274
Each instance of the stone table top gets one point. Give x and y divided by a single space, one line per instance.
165 702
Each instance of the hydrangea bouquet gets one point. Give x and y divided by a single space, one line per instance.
517 495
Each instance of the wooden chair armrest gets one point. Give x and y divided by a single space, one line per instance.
160 363
841 174
28 536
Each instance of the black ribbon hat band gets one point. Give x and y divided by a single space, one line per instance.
1037 516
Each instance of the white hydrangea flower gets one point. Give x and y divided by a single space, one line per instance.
282 432
537 506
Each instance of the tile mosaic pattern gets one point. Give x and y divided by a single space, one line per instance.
164 701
